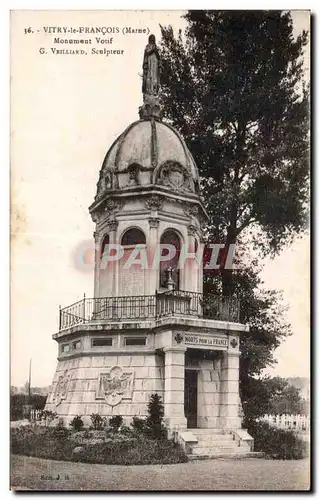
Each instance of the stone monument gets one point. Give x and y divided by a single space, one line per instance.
149 328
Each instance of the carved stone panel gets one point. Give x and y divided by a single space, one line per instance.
115 386
173 175
61 389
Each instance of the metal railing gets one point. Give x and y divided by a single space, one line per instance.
143 307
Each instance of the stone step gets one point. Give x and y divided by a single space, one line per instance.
208 431
215 438
208 450
214 444
231 455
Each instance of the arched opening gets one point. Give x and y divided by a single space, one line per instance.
133 236
132 272
105 242
170 237
196 245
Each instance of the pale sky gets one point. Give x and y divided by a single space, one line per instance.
65 112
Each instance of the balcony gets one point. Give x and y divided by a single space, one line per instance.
150 307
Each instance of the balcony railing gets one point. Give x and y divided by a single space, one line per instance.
143 307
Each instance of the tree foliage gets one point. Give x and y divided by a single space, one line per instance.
263 311
233 86
270 396
19 402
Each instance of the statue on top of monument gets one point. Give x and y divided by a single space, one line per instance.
151 68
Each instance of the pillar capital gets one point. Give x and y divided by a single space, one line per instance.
192 230
232 353
113 225
154 222
178 349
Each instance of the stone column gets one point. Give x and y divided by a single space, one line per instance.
151 249
201 244
190 269
114 269
97 262
174 387
229 390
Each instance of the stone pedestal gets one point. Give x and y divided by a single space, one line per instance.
174 388
229 387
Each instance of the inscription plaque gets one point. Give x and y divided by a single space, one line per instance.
206 342
132 278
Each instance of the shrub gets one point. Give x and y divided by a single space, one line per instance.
48 416
60 431
126 431
116 422
39 441
122 450
154 423
138 424
277 443
77 423
98 422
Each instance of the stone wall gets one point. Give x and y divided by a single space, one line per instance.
76 385
209 393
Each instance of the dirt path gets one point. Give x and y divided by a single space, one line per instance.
247 474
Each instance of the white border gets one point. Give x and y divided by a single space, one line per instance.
4 179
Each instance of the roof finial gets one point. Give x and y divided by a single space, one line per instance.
151 80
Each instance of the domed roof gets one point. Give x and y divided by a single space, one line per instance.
148 152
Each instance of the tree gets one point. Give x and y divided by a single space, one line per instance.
233 86
270 396
154 420
288 400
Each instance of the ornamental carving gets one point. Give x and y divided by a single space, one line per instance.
178 338
192 230
134 172
173 175
234 343
113 224
104 183
153 222
192 211
113 206
115 386
61 389
96 216
155 202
